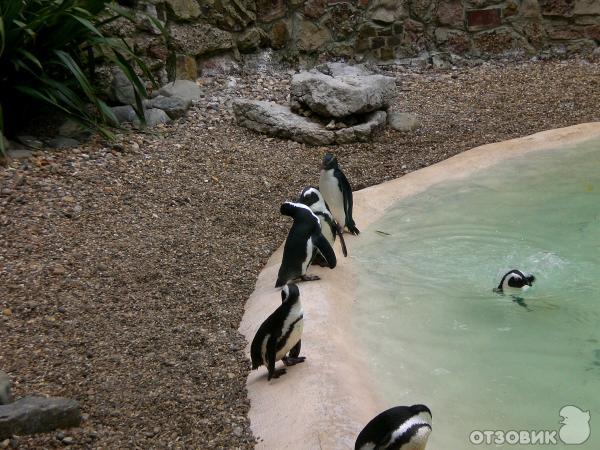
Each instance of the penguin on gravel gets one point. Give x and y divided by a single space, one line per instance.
399 428
312 198
304 236
513 283
279 334
337 192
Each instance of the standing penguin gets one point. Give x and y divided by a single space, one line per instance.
337 192
399 428
304 236
312 198
280 334
513 283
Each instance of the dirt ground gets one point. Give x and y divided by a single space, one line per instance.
124 267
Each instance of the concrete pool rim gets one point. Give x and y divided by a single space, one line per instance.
325 402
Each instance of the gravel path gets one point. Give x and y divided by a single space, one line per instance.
124 268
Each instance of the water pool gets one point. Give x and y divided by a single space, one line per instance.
435 332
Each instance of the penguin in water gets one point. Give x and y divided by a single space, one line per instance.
513 283
312 198
337 192
280 334
399 428
304 236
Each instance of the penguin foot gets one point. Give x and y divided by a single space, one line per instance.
277 373
310 277
292 361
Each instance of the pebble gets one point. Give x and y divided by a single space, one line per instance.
7 312
68 440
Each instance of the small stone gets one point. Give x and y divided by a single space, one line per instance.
331 125
237 430
5 443
59 270
61 309
403 121
7 312
68 440
19 153
34 414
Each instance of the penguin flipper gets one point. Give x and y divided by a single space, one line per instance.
340 232
325 248
348 202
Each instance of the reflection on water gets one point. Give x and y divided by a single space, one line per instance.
436 332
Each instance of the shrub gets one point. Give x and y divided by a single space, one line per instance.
49 50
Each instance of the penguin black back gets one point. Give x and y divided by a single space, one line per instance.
279 333
304 235
395 428
337 191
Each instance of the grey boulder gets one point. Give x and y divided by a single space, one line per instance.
184 89
121 88
34 414
124 113
278 120
175 107
153 117
340 96
63 142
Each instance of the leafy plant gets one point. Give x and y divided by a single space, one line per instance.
49 51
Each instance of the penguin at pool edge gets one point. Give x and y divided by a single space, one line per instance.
337 192
279 334
312 197
304 236
398 428
513 283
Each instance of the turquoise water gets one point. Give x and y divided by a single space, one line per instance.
437 334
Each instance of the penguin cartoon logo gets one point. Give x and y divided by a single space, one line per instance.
575 425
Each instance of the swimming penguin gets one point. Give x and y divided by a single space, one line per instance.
304 236
399 428
337 192
280 334
513 283
312 198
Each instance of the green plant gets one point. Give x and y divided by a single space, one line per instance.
49 51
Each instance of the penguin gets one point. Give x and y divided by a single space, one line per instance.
304 236
399 428
513 283
337 192
311 197
280 334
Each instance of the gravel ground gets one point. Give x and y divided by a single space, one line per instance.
124 268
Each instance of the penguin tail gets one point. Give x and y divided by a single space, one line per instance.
279 282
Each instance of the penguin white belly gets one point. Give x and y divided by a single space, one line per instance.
295 336
309 252
328 185
326 230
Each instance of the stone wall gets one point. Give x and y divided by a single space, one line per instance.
376 29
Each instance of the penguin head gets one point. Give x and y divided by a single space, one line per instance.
309 196
423 412
515 279
289 293
329 162
287 209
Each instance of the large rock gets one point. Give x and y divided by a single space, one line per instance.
362 132
153 117
278 120
311 37
184 9
184 89
33 414
124 114
5 395
121 88
175 107
252 39
340 96
199 39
